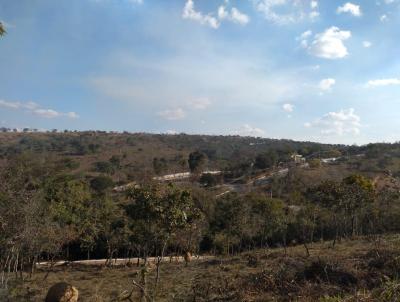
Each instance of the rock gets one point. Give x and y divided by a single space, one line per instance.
62 292
188 257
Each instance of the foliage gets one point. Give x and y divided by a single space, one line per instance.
2 30
197 161
101 183
266 160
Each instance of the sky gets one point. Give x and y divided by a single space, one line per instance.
326 71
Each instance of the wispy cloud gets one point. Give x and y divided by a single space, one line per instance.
326 84
200 103
172 114
36 110
288 107
366 44
287 11
383 82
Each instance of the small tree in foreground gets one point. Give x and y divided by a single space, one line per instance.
2 30
157 214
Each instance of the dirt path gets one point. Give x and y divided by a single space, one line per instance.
119 261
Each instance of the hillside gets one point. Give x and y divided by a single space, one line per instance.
241 203
353 270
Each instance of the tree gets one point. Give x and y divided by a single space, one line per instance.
156 214
159 165
197 161
2 30
101 183
268 218
266 160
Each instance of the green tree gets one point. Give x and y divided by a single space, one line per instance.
101 183
156 214
266 160
2 30
197 161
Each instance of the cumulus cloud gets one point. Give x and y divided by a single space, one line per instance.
172 114
190 13
326 84
383 82
35 109
328 44
338 123
247 130
350 8
234 15
287 11
288 107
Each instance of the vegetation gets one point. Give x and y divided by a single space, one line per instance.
59 201
2 30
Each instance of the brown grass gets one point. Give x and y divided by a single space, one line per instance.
355 270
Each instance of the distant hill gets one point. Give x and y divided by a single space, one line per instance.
128 157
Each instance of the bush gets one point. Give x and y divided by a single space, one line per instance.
101 183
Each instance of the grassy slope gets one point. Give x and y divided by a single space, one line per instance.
356 270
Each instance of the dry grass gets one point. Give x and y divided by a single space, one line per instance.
355 270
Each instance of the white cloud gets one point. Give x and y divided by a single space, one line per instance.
72 115
239 17
350 8
367 44
287 11
338 123
234 15
247 130
304 38
383 18
190 13
328 44
326 84
171 132
172 114
313 15
383 82
18 105
35 109
50 113
200 103
47 113
314 4
288 108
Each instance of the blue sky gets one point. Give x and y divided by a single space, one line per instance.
325 71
